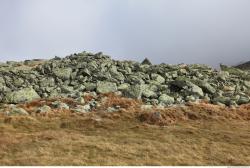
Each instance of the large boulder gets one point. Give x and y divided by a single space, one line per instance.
106 87
20 96
134 91
63 73
206 87
166 100
188 86
157 78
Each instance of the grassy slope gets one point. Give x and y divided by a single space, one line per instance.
200 135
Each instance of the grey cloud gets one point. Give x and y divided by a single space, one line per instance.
171 31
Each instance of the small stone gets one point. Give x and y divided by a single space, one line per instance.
80 100
146 107
60 105
190 99
111 109
43 109
82 109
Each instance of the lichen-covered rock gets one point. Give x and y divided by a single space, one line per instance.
222 100
188 86
97 73
158 78
166 100
243 100
63 73
89 86
134 91
106 87
20 96
206 87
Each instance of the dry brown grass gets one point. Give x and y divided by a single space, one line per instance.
196 134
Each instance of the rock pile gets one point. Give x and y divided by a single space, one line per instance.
155 84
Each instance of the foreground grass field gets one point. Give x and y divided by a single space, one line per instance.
199 135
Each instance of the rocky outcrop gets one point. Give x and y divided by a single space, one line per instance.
155 84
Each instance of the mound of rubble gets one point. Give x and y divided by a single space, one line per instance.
163 84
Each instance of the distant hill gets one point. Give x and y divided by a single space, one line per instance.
244 66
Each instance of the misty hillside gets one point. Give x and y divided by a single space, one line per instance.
244 66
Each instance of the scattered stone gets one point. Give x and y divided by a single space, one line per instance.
43 109
60 105
82 109
146 107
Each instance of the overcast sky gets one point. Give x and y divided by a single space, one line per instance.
170 31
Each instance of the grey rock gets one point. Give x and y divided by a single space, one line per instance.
223 75
166 100
243 100
158 78
80 100
82 109
222 100
149 94
206 87
123 86
63 73
146 107
90 86
111 109
134 91
43 109
60 105
23 95
191 99
106 87
188 86
67 89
